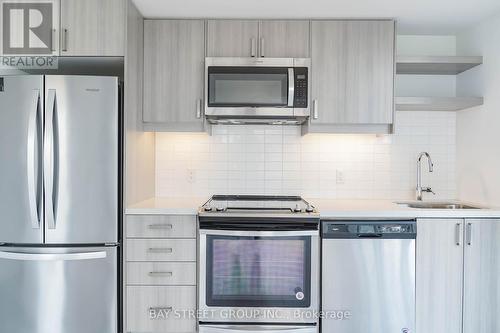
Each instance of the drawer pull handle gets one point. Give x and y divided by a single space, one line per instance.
153 274
160 249
160 226
161 308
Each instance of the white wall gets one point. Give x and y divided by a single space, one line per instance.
277 160
478 139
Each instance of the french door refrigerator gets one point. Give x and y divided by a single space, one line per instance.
59 204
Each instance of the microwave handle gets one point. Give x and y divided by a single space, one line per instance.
315 109
253 47
291 86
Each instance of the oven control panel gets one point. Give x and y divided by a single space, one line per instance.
301 91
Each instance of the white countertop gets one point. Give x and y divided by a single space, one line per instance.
334 209
167 206
328 208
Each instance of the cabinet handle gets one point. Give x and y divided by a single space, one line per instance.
469 234
262 54
315 109
457 233
252 47
154 309
160 250
160 226
198 108
64 40
52 39
153 274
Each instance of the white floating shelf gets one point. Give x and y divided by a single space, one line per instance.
436 103
436 65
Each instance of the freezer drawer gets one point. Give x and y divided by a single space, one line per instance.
59 290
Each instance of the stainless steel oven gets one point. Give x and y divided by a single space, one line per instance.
257 90
258 265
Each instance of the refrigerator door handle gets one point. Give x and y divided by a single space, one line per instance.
48 159
33 162
52 256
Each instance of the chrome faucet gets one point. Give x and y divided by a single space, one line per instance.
419 188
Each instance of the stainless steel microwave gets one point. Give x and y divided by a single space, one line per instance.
257 90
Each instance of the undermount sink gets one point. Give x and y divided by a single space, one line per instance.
437 205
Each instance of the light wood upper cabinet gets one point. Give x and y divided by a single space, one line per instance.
173 74
439 275
481 274
352 72
284 39
93 27
232 38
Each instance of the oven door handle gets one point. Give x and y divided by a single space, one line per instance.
251 233
255 328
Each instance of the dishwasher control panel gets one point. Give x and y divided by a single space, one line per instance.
369 229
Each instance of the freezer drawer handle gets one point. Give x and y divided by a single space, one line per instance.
32 162
160 226
160 249
52 256
154 274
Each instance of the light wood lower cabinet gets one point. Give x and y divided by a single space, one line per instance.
161 226
482 276
161 309
161 249
458 269
161 273
439 275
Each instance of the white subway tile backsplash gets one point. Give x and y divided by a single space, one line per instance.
278 160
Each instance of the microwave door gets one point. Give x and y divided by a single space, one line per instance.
249 87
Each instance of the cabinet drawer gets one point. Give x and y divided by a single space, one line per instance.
161 309
161 273
161 226
161 249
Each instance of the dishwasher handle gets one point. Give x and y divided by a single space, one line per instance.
370 235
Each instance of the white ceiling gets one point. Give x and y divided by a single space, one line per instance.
414 16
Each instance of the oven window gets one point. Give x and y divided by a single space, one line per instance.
247 86
258 271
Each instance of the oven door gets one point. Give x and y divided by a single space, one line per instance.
258 276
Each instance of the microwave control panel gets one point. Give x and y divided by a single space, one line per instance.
300 96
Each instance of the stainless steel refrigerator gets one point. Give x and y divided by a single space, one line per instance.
59 204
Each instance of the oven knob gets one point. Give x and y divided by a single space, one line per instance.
310 209
208 209
297 209
219 209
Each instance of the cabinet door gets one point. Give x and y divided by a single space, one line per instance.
439 275
352 72
232 38
284 39
93 27
482 271
173 73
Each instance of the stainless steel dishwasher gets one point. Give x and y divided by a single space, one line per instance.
368 276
